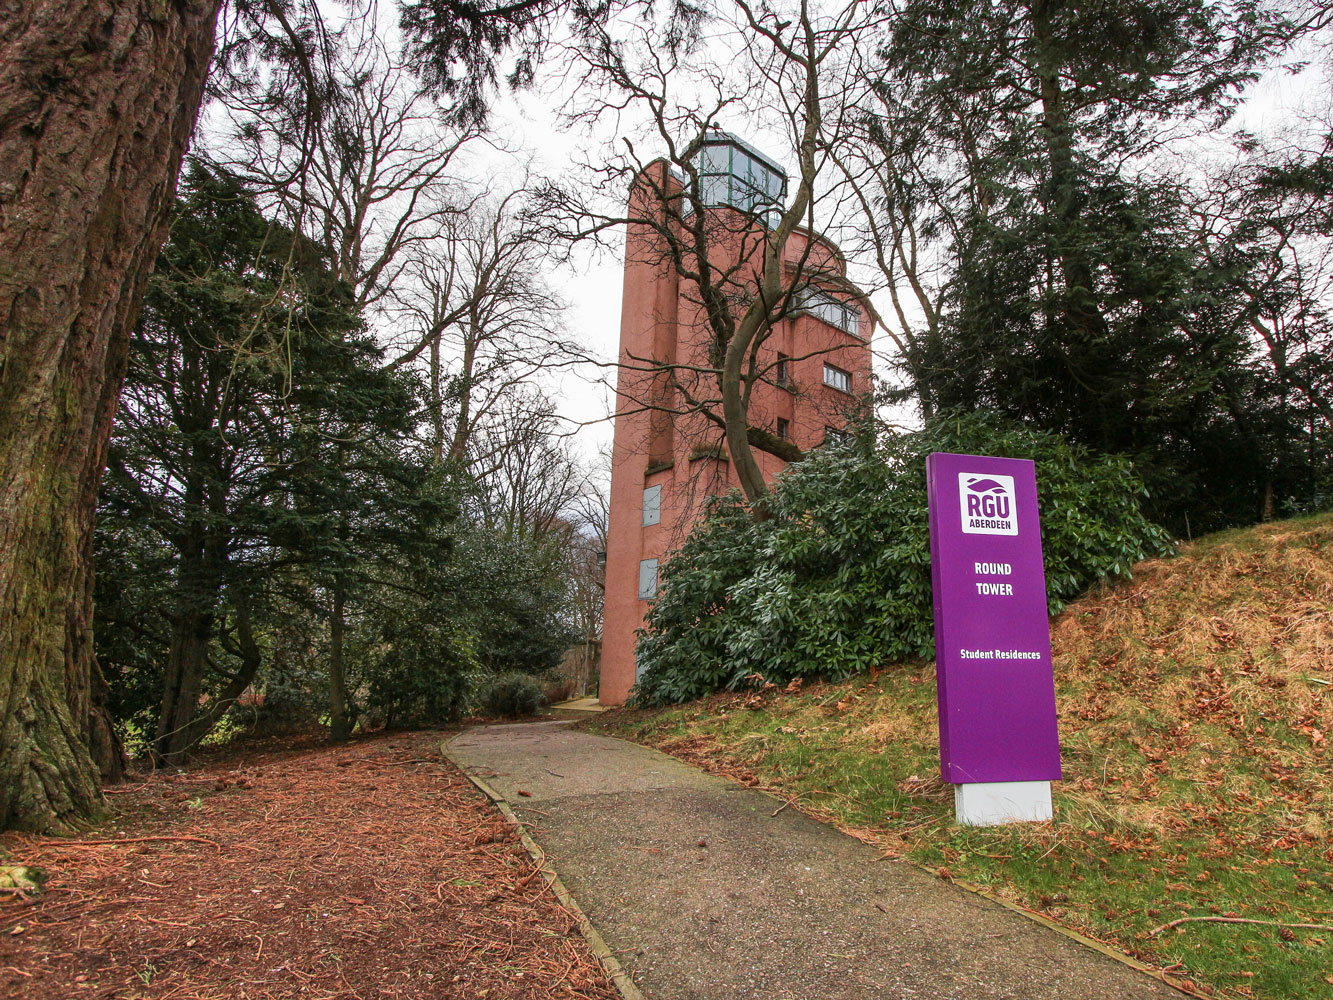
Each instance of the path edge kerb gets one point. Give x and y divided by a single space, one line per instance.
1159 975
600 949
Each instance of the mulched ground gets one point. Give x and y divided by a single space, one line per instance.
367 870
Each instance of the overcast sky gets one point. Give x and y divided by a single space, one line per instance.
527 124
592 286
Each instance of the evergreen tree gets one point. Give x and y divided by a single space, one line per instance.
100 106
246 362
1083 299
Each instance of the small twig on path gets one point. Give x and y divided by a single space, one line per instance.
124 789
392 763
549 771
124 840
1237 920
164 923
780 808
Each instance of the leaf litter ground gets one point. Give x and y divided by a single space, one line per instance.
370 869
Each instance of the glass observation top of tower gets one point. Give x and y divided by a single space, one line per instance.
732 172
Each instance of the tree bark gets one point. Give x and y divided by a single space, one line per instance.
201 569
436 401
463 423
202 549
194 726
340 720
1087 355
187 659
97 102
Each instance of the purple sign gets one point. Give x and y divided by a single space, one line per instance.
992 637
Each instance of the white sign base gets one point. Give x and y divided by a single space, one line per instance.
990 803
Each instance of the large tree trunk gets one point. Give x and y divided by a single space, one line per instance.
194 720
340 719
1086 352
201 572
97 102
183 686
463 423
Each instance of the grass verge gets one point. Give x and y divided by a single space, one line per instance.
1194 702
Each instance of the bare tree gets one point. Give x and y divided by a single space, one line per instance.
478 309
910 185
529 481
747 262
369 179
585 571
1279 257
583 546
451 279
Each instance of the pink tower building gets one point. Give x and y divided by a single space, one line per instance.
667 457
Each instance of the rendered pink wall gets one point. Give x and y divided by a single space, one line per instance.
659 320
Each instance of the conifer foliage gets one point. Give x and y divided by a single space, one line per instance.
1088 291
253 423
270 522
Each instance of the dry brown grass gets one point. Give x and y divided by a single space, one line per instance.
1225 651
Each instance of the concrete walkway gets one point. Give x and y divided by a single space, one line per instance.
705 894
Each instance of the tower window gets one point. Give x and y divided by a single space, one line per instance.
736 174
652 505
837 378
824 306
784 428
647 579
783 374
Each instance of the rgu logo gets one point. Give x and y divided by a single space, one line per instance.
986 498
987 504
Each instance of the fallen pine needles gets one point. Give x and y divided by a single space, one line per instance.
125 840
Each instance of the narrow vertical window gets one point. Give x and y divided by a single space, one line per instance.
652 505
783 372
784 429
647 579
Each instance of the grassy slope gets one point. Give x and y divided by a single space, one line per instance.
1195 713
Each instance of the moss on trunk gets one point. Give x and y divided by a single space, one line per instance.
97 102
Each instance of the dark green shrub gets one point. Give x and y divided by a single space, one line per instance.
836 579
423 676
516 598
511 695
